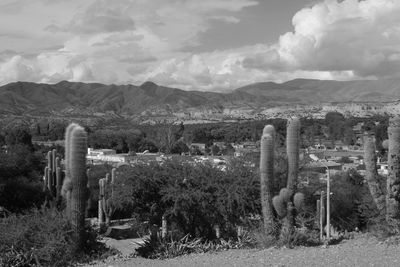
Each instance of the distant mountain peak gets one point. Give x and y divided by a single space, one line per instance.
149 85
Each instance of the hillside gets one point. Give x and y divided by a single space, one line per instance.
308 91
67 99
79 98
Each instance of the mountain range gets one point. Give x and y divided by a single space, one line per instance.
77 98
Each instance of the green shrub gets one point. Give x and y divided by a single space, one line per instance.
43 238
193 197
19 194
351 202
164 248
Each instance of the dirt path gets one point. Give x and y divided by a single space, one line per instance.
362 251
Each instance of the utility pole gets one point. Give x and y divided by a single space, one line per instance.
328 205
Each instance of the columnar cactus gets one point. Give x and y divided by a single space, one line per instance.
89 201
393 180
53 176
75 183
288 201
292 148
67 186
371 174
267 176
106 196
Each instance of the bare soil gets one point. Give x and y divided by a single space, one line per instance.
361 251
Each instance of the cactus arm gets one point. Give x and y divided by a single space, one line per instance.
45 178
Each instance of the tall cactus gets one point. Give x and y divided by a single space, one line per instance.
393 180
267 177
371 174
75 183
67 185
292 150
287 202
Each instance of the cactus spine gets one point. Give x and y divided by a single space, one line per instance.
393 180
372 174
75 184
267 176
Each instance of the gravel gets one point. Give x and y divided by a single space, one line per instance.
361 251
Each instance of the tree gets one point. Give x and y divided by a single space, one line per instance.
381 134
179 147
349 137
134 140
215 150
18 136
335 122
344 160
228 150
178 135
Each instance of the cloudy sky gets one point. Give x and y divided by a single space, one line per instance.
198 44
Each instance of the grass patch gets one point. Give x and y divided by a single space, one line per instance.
44 238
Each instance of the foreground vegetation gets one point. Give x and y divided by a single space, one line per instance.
44 237
198 207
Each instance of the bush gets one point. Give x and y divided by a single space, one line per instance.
20 181
163 248
19 194
43 238
193 197
351 202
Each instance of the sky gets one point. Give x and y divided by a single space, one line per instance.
207 45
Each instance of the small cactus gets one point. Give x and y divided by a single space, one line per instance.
280 205
106 196
385 144
298 201
285 194
53 177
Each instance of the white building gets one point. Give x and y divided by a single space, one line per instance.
106 155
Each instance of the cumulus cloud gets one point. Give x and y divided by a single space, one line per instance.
361 37
119 41
131 41
331 40
99 17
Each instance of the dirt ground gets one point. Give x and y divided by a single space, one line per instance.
361 251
